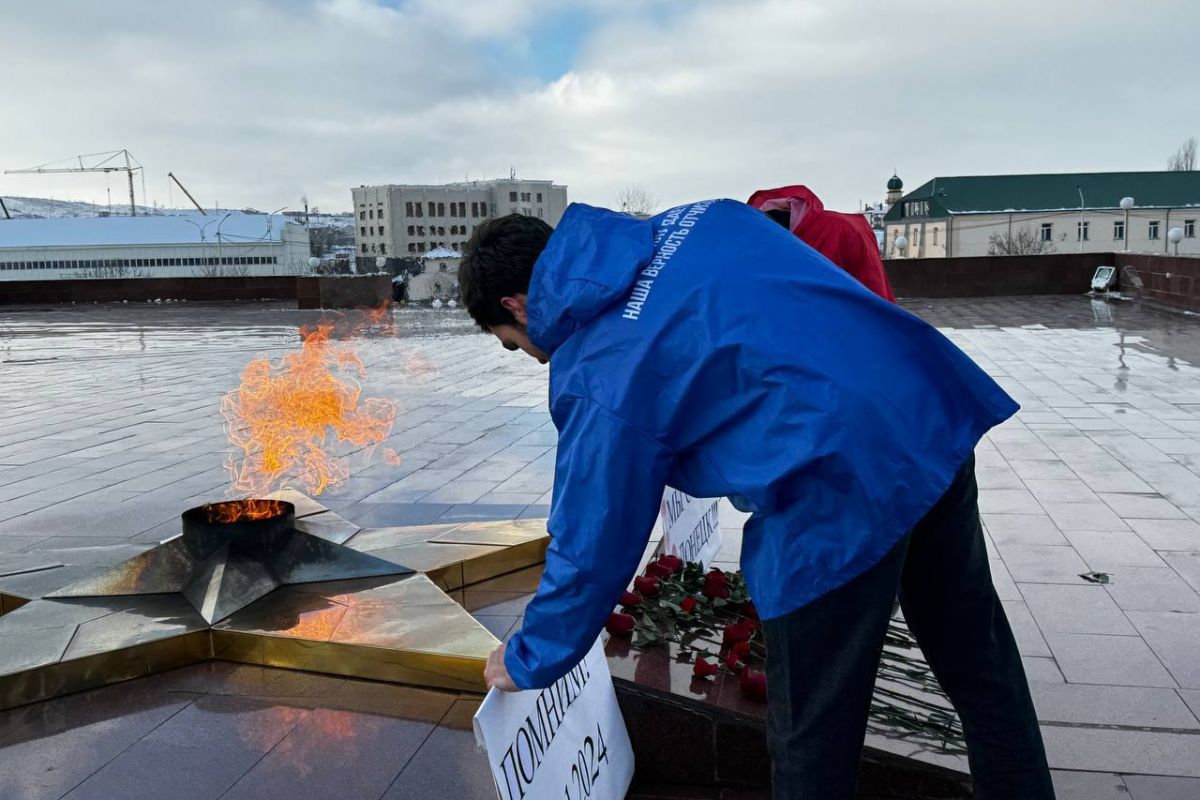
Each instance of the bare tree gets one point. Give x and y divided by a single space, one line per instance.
636 200
1023 242
1183 159
110 272
222 271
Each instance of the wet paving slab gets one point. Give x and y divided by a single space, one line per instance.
111 427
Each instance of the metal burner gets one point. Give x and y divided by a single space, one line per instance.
221 567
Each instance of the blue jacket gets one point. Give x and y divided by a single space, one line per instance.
710 350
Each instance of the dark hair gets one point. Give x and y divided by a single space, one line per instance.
498 262
782 216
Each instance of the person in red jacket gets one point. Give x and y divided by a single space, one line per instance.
845 239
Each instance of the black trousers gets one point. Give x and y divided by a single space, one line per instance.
822 661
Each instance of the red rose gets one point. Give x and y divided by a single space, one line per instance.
716 584
656 570
646 586
630 599
688 605
735 633
702 669
741 649
673 563
733 662
619 624
754 685
749 610
750 625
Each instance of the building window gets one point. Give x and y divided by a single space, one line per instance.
1119 231
381 230
370 213
362 215
462 208
412 247
383 248
372 230
420 247
493 210
540 215
1047 231
431 208
363 230
1153 229
539 197
408 212
1189 229
474 208
935 236
441 231
364 248
1081 231
418 207
512 197
412 230
454 209
441 209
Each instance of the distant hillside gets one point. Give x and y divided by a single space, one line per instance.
45 208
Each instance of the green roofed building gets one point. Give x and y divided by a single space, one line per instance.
979 215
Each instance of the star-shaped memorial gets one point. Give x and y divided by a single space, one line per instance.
302 589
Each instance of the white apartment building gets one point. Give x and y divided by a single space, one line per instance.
408 220
168 246
1064 213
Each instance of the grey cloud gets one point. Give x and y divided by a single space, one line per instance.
256 102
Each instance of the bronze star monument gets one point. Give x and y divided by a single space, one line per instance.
301 589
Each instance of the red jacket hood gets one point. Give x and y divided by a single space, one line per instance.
845 239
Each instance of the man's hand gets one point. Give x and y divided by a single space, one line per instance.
496 674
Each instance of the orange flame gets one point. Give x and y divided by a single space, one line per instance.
285 416
250 508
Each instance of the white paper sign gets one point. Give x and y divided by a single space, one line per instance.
566 742
690 527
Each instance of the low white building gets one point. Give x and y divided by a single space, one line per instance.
981 215
176 246
439 281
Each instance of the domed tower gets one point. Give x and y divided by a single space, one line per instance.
895 189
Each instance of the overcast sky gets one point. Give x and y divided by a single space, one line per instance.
258 102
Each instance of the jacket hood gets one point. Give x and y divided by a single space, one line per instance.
590 263
798 200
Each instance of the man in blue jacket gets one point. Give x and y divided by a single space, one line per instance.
710 350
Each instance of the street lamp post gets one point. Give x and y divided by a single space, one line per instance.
220 263
901 245
1126 204
1175 236
1081 206
200 228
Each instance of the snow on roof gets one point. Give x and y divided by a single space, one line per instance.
236 228
443 252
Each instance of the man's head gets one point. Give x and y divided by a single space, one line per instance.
494 277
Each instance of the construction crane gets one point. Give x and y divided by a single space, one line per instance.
171 175
92 162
